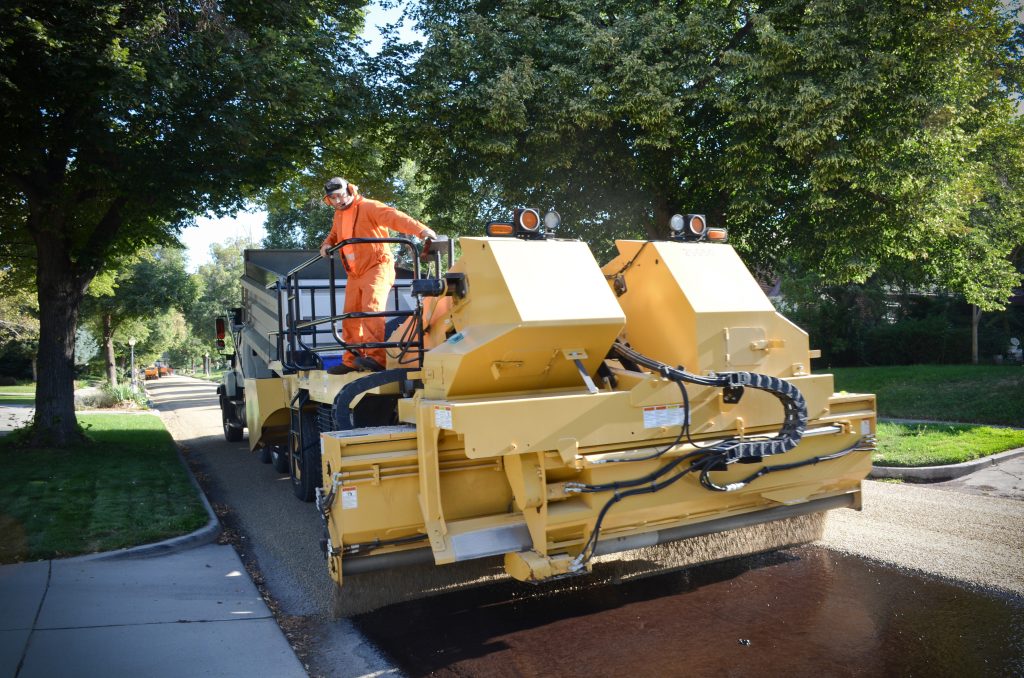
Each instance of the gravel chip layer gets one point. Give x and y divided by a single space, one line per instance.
969 538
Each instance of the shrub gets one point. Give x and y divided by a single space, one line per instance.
880 324
16 359
122 395
107 396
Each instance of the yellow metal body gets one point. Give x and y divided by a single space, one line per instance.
715 316
266 412
505 417
268 401
530 312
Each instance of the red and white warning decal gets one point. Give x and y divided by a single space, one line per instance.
664 415
349 497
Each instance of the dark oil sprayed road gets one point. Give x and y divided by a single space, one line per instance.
800 612
806 611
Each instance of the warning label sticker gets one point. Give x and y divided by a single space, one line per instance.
664 415
443 416
349 498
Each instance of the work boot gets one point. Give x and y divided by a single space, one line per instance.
340 368
368 364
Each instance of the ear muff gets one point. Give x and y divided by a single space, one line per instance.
335 183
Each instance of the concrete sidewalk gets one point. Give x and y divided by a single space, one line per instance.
181 607
14 416
190 613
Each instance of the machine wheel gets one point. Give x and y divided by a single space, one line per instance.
279 457
232 433
265 456
304 448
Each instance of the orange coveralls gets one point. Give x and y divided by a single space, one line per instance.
369 266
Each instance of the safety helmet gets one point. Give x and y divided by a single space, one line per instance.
336 185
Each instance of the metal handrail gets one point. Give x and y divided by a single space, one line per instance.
289 283
355 241
354 314
336 317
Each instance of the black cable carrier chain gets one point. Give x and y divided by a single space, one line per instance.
794 406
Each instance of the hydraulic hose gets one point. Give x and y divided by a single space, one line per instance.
794 407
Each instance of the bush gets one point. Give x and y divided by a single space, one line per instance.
107 397
16 360
917 341
122 395
881 324
8 381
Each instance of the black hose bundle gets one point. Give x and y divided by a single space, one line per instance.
714 457
794 407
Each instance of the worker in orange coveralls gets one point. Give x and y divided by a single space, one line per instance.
369 266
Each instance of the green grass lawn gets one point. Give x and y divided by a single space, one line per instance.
28 389
215 376
125 488
25 394
983 394
16 399
936 444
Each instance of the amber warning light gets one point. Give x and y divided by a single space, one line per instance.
500 228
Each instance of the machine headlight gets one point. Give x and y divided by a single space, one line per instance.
676 223
552 220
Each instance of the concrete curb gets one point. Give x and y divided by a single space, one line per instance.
204 535
934 474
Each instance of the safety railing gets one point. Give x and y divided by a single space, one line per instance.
298 339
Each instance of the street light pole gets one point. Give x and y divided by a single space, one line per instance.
131 343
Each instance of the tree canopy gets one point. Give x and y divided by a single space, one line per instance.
297 218
124 118
218 287
838 136
142 287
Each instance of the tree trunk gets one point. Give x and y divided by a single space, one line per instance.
65 265
108 348
60 295
662 214
975 319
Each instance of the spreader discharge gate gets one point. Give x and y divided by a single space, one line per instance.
562 410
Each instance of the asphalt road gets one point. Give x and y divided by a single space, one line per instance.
957 536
